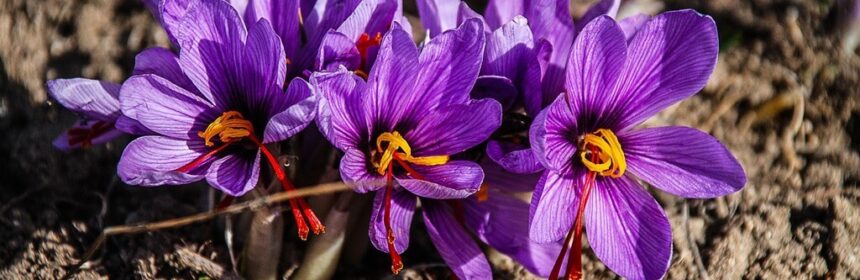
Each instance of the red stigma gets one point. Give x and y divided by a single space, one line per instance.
573 241
364 43
299 206
396 262
85 136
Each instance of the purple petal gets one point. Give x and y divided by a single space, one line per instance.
510 53
295 118
455 179
595 62
342 113
496 87
682 161
370 16
402 209
507 48
438 16
324 16
502 222
327 15
355 172
552 136
536 195
283 15
235 174
496 177
62 142
457 248
628 230
454 129
604 7
132 126
163 63
538 137
391 83
551 20
263 60
151 161
501 11
164 107
169 13
465 13
556 207
632 24
515 158
449 65
534 103
212 36
337 49
92 98
669 59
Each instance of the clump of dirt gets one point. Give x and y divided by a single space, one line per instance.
784 99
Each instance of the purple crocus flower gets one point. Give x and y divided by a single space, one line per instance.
303 26
399 130
97 103
213 107
617 76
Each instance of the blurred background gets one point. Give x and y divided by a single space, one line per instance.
783 98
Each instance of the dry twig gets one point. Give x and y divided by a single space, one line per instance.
182 221
703 272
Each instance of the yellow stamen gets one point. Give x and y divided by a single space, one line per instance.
229 127
395 143
610 156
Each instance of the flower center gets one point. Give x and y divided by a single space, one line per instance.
230 127
85 136
365 42
394 147
608 159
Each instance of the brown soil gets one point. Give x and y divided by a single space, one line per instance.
784 99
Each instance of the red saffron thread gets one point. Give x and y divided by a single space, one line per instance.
409 169
85 136
396 262
365 42
298 205
574 263
573 241
201 159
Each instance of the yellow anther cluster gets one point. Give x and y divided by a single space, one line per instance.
398 145
610 156
229 127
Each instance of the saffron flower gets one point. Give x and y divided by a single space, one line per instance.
355 43
214 107
303 25
399 131
96 102
618 76
552 24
